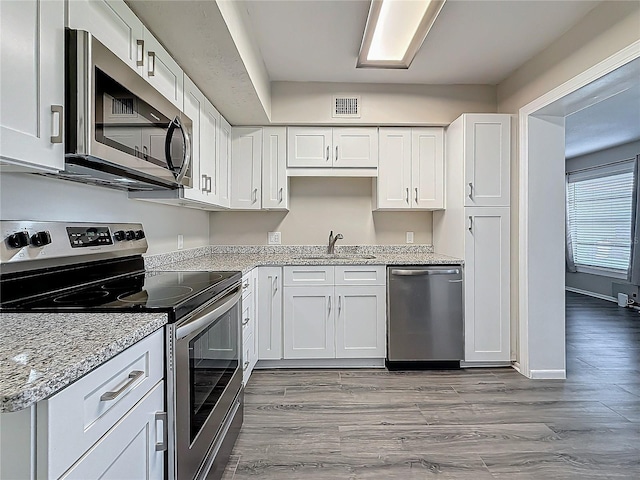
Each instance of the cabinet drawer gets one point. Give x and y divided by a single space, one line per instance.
360 275
78 417
247 318
316 275
247 284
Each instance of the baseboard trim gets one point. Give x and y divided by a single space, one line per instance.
323 363
548 374
464 364
591 294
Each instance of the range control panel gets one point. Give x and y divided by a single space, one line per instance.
56 243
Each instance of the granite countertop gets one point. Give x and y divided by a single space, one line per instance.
41 353
227 258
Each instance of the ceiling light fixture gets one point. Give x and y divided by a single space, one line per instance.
395 32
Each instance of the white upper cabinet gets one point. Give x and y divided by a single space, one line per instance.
309 147
209 166
194 108
246 159
224 162
161 70
113 24
336 148
487 152
275 186
355 147
411 170
32 86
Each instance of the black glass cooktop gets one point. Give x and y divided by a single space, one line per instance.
173 292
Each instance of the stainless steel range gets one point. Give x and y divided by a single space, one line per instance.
98 267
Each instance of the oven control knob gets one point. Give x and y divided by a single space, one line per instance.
40 239
18 240
139 234
130 235
119 235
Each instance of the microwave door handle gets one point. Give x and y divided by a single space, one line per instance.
186 159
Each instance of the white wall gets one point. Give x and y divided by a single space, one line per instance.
318 205
382 104
33 197
584 281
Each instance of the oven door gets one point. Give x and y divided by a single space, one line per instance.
208 377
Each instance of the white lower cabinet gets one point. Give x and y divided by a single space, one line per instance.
249 347
487 294
269 308
339 313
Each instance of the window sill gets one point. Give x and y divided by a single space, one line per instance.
603 272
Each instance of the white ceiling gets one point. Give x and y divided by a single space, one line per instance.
471 42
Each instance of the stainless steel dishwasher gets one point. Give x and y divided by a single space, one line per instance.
424 317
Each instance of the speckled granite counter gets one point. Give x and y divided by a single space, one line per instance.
41 353
229 258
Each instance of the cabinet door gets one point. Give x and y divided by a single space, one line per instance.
355 147
394 170
360 321
309 328
209 166
224 162
128 451
487 153
162 71
194 108
32 86
269 318
275 187
487 290
427 172
309 147
114 25
246 153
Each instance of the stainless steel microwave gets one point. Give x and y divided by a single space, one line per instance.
120 132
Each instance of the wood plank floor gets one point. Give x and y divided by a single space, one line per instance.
468 424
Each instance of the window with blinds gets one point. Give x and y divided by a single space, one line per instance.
600 203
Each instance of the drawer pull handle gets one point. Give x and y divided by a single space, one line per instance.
245 321
246 364
133 377
140 53
57 110
162 446
151 71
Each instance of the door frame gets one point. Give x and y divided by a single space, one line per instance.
593 73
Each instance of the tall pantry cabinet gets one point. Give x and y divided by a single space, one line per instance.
475 226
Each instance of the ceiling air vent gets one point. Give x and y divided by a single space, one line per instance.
346 107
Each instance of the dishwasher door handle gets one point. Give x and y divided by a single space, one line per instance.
424 272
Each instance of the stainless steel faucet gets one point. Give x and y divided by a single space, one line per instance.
332 242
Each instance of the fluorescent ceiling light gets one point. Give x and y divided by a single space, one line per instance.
395 31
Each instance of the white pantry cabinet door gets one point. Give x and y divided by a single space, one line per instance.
487 160
209 165
309 327
360 321
162 71
394 170
427 151
309 147
246 159
269 318
275 185
355 147
128 451
114 25
487 291
32 85
224 162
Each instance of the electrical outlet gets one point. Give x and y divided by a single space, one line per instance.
274 238
409 237
180 241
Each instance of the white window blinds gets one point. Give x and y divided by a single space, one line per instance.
600 209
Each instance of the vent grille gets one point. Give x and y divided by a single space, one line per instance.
122 106
346 107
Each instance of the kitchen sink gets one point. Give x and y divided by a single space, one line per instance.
334 257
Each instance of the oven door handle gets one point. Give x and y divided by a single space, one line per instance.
204 318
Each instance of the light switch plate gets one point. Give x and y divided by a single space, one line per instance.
409 237
180 241
274 238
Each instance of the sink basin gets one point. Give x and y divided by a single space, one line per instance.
335 257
